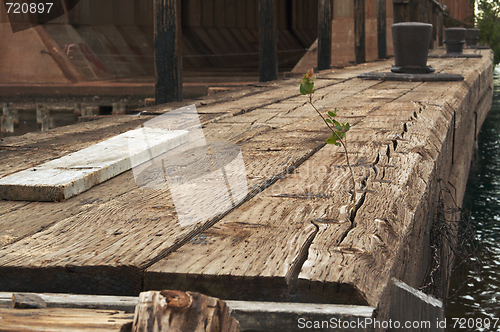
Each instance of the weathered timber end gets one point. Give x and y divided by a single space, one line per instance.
291 240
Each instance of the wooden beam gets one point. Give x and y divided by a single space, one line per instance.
440 28
414 11
359 31
381 29
168 51
401 9
268 57
423 12
325 11
424 307
435 15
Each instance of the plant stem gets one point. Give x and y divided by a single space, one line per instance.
346 156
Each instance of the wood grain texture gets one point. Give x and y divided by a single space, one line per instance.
402 145
167 310
293 239
63 319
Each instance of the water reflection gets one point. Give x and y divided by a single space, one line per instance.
9 119
15 122
43 117
480 296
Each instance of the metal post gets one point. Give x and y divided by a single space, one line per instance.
359 31
268 52
324 34
381 30
168 52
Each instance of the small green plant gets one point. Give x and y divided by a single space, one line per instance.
338 129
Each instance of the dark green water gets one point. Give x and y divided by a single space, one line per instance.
479 297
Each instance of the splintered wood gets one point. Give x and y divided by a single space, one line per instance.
290 237
168 310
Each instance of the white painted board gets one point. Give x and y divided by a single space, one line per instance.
77 172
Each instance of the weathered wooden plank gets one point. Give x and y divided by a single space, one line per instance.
288 212
122 303
56 319
68 176
124 224
397 149
399 152
425 308
291 317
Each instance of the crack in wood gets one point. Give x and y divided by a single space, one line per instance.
256 190
292 275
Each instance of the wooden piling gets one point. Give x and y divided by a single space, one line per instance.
440 28
268 52
435 15
401 9
168 51
381 29
325 11
413 11
359 31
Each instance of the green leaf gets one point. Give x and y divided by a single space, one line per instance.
303 88
337 144
330 113
331 140
338 126
328 121
347 126
306 88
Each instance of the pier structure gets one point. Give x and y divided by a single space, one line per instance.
107 48
290 238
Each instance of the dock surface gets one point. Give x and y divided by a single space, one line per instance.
290 239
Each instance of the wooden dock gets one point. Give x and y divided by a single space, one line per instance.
291 240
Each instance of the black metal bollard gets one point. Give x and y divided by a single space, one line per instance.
454 40
411 47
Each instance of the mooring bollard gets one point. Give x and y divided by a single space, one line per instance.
472 37
454 40
411 42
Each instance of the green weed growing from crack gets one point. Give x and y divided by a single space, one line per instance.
338 129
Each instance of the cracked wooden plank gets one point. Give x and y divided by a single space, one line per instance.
395 147
105 240
392 159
